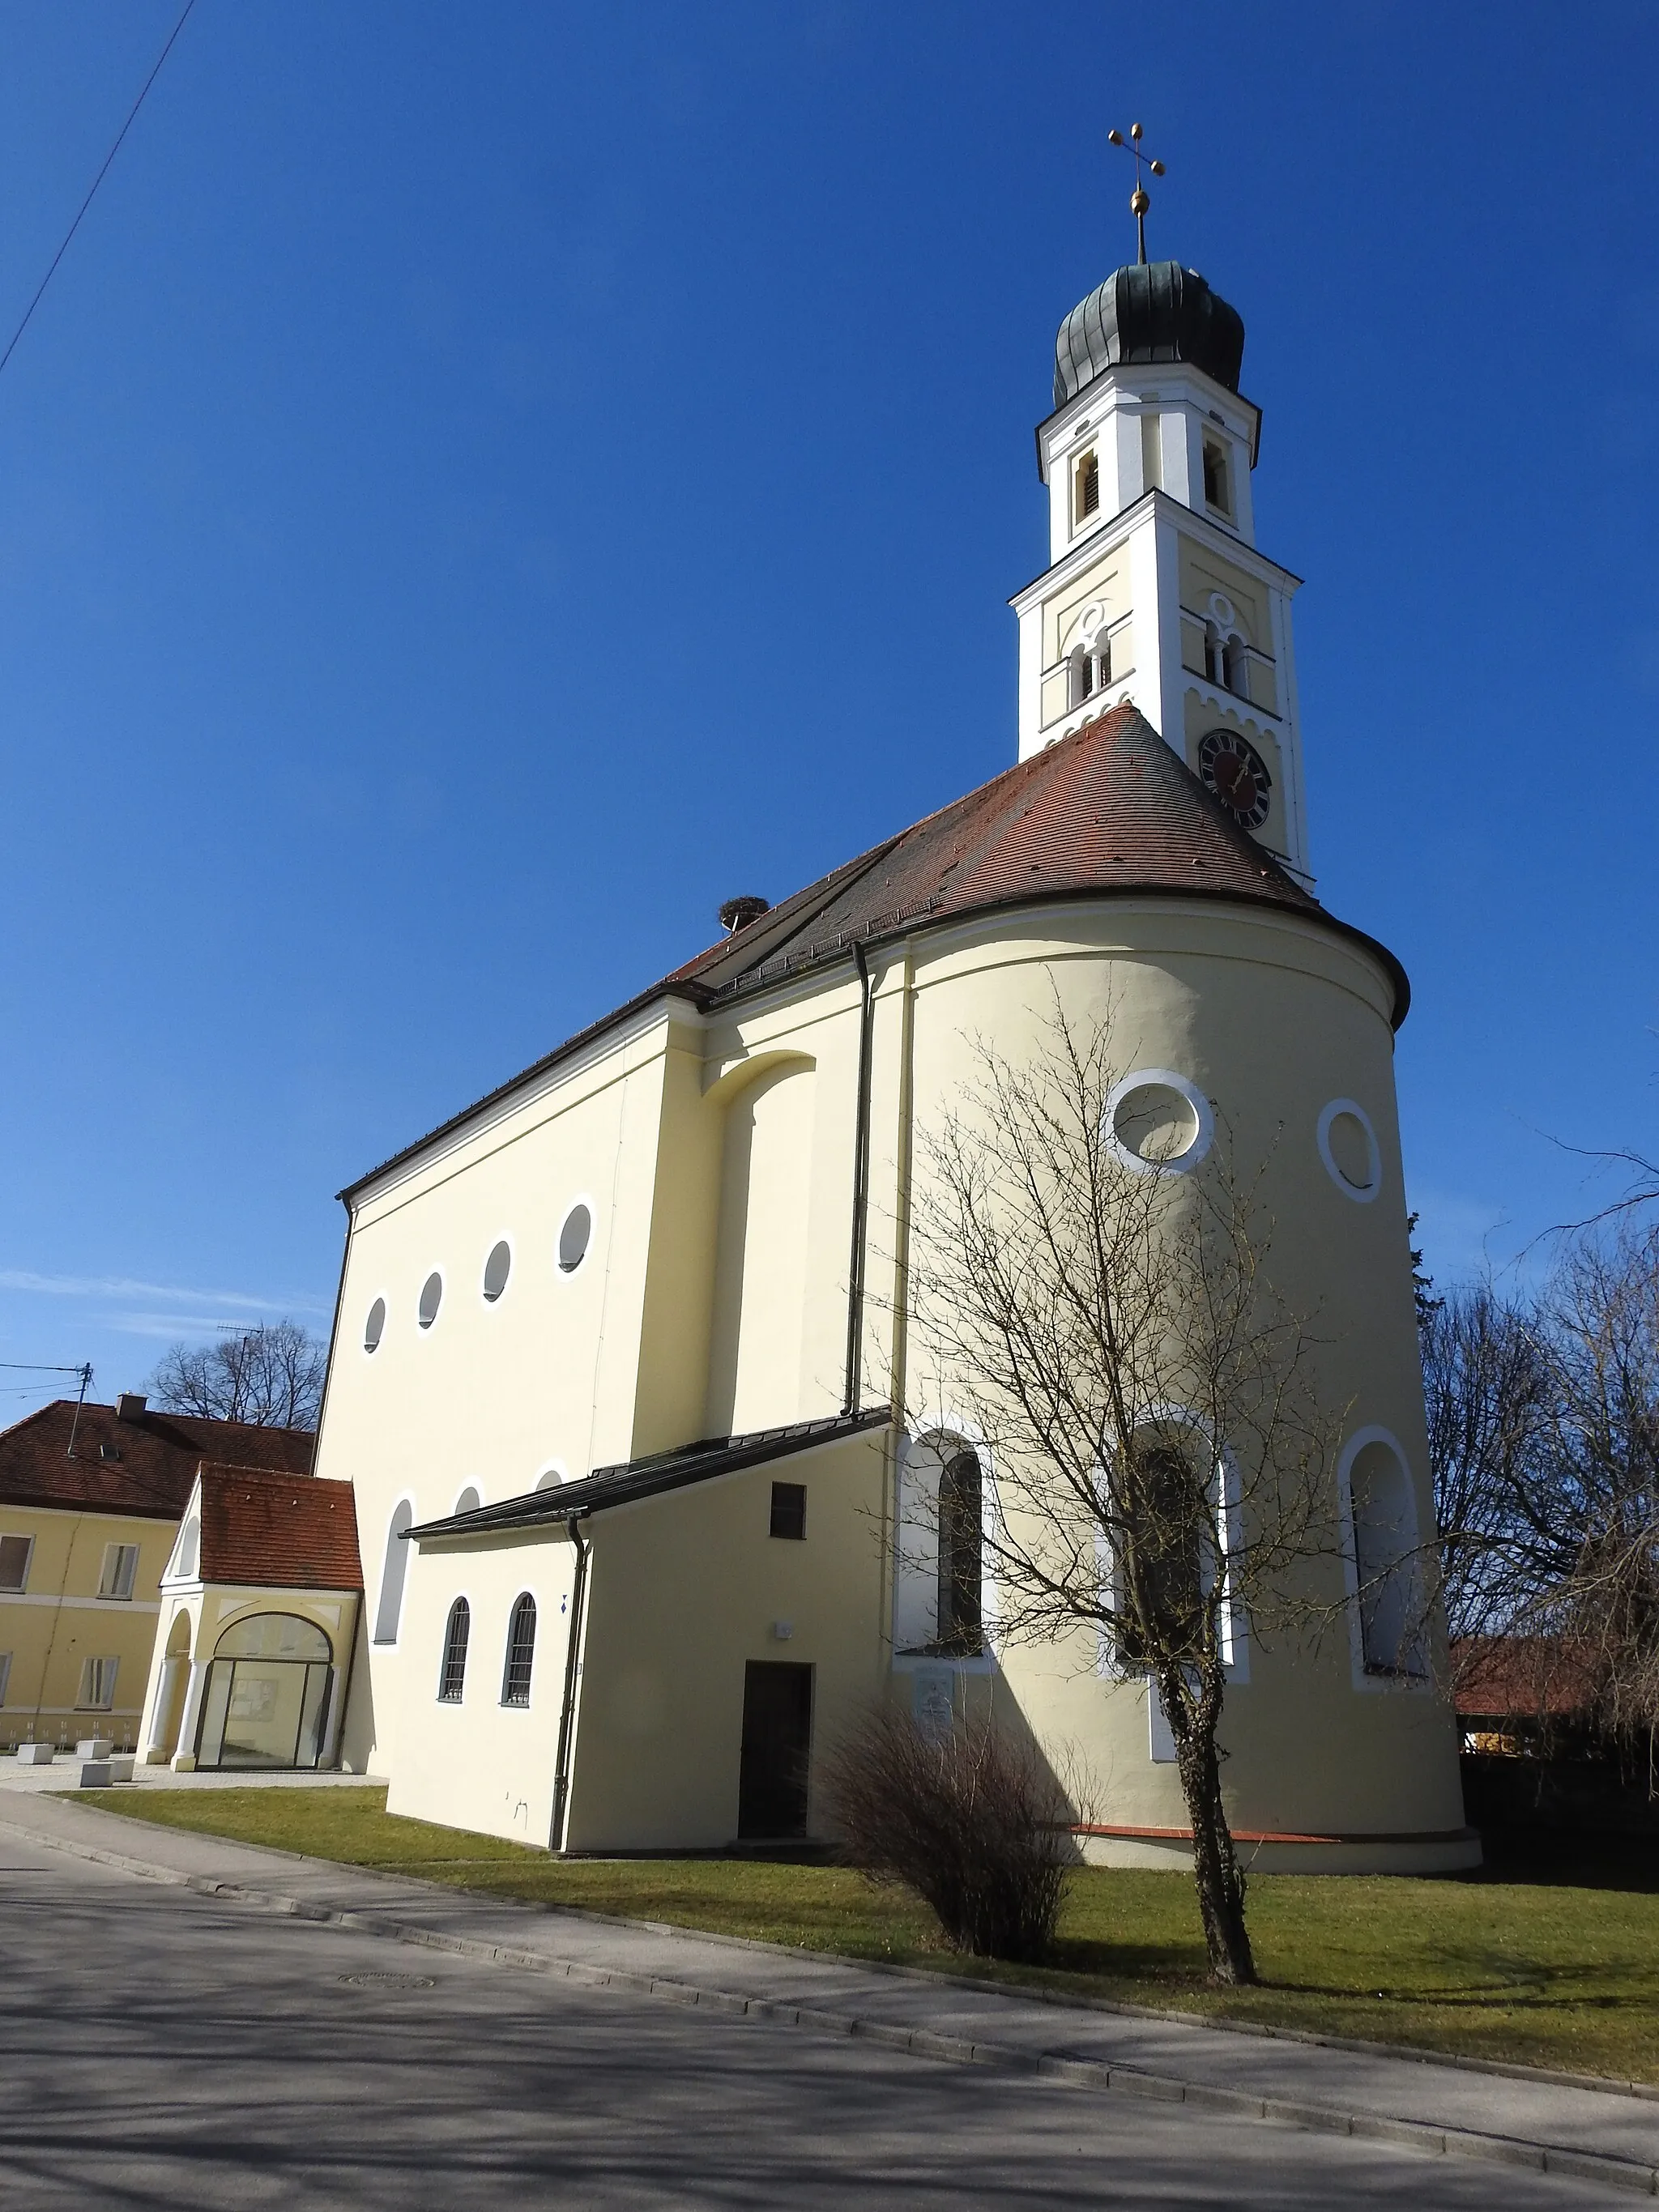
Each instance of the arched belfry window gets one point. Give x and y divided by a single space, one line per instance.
390 1609
521 1652
451 1675
1085 486
1090 669
961 1623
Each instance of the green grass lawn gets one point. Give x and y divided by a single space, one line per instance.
1547 1961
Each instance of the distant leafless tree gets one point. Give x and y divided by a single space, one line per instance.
972 1819
1544 1433
1162 1467
1487 1393
271 1376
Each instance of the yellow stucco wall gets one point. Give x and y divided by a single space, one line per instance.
655 1340
59 1622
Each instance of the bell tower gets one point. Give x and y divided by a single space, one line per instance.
1155 591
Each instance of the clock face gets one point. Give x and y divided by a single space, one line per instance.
1230 767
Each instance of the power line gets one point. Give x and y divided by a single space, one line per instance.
87 203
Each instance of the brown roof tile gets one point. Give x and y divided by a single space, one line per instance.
1110 811
288 1532
156 1458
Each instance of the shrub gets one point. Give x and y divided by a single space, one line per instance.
974 1822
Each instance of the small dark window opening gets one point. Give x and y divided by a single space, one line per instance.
1088 486
1216 493
1160 1595
961 1621
452 1676
789 1509
521 1652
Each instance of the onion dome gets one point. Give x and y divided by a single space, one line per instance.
1149 311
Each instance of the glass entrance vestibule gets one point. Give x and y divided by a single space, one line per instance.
267 1696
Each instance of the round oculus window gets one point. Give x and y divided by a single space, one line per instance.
374 1325
1348 1146
432 1297
1156 1120
574 1239
1231 768
497 1268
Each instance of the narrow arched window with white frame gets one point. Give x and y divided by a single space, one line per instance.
1387 1583
940 1591
388 1612
451 1674
1170 1523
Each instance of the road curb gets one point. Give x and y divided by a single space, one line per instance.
1420 2136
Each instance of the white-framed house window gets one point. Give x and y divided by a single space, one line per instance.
98 1684
15 1552
5 1674
120 1571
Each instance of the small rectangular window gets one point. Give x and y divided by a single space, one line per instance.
15 1562
98 1684
5 1674
1216 492
120 1571
1085 493
789 1509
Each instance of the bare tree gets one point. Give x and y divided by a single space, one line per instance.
1487 1393
1543 1436
271 1376
1161 1463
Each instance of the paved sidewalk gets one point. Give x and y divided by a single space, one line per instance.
1531 2120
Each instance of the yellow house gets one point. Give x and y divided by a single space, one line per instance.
90 1502
645 1487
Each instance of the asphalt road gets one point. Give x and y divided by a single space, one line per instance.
160 2049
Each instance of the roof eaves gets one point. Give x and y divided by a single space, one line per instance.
664 993
631 1480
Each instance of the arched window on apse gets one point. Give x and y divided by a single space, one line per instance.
1385 1561
1162 1508
961 1620
389 1610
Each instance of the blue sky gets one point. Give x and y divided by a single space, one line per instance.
486 482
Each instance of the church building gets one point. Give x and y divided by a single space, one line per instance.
643 1488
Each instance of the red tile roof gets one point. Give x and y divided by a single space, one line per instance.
156 1458
1521 1678
288 1532
1110 811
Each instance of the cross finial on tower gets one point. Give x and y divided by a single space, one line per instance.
1138 202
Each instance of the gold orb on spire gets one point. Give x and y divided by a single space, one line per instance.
1138 201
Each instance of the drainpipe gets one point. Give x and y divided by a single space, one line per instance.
850 1396
572 1661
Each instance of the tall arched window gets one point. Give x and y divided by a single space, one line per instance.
1162 1508
1383 1514
961 1565
388 1612
451 1675
521 1652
